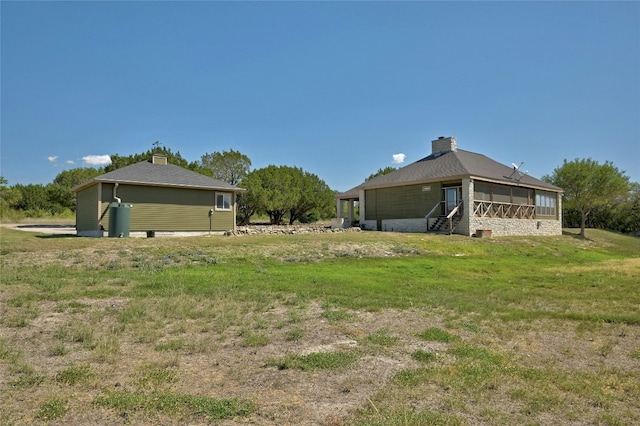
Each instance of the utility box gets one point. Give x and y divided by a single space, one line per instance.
120 220
483 233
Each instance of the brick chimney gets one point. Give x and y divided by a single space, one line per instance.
443 145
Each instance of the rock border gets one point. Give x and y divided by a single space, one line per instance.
286 230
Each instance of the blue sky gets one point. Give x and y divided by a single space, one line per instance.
339 89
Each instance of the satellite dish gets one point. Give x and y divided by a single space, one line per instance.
515 174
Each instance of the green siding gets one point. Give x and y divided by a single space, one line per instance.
87 209
155 194
169 209
403 202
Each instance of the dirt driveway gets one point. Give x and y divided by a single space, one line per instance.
43 228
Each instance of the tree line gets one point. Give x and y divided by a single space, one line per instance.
595 195
280 192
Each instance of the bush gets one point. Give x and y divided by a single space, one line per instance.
311 217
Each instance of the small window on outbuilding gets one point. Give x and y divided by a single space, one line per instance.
223 201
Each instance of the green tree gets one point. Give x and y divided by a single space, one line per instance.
33 200
60 189
10 197
250 201
283 190
313 194
278 193
227 166
381 172
588 185
627 213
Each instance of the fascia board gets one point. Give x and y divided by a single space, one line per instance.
164 185
520 184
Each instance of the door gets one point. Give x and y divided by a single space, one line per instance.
451 198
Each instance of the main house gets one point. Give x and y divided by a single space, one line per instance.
164 198
455 191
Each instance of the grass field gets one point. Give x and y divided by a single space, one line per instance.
320 329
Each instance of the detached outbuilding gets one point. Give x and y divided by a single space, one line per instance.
456 191
164 198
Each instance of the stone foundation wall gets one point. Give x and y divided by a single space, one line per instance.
398 225
499 227
511 227
405 225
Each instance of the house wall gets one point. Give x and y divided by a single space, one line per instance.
402 209
402 202
168 209
87 212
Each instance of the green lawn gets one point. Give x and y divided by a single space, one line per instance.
338 329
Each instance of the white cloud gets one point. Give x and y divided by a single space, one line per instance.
52 159
96 160
70 162
398 158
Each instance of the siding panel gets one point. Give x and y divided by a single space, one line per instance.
169 209
403 202
86 209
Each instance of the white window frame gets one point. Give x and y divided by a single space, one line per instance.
226 196
545 203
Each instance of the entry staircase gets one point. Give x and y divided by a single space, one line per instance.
442 225
445 224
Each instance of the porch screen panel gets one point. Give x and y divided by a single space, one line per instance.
501 194
520 196
481 191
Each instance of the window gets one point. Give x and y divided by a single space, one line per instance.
545 203
223 201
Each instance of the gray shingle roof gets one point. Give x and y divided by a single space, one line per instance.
147 173
449 166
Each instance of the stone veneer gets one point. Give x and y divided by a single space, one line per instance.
498 227
516 227
405 225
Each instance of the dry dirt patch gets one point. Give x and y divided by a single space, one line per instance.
212 363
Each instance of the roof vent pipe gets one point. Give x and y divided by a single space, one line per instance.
115 189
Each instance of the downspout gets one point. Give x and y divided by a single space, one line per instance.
115 190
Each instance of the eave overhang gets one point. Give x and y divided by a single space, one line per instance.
163 185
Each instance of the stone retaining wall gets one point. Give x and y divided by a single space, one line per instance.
286 229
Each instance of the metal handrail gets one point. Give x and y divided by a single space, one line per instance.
450 217
454 211
433 209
